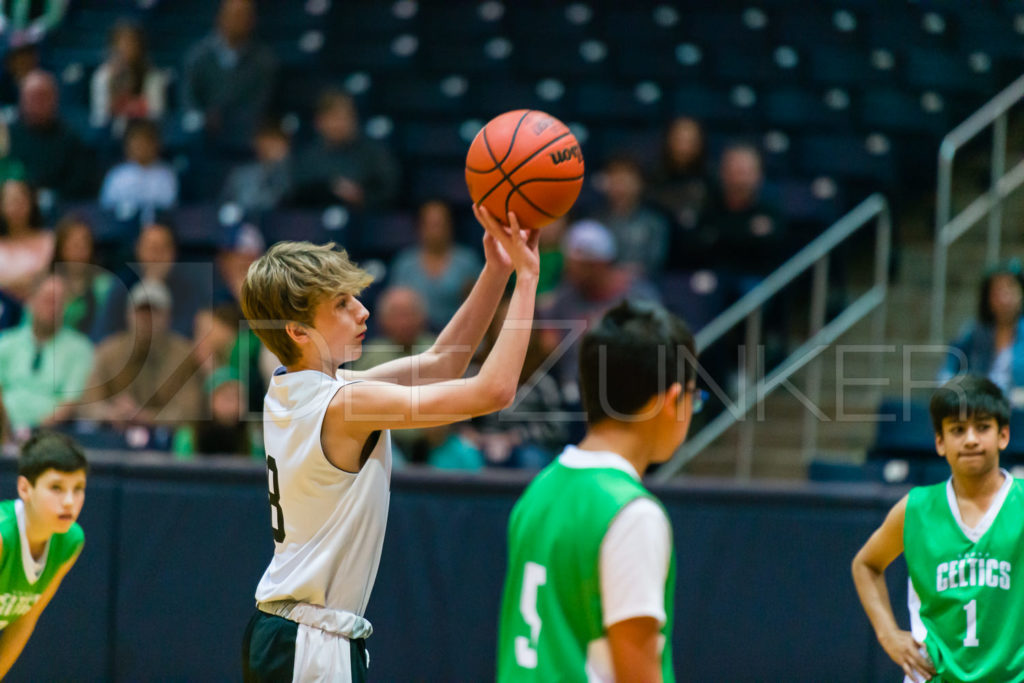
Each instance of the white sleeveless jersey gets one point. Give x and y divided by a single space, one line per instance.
328 524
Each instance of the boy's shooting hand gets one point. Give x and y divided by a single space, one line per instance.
520 246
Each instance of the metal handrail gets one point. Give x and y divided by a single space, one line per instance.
949 229
749 308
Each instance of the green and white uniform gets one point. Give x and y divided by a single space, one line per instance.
589 547
966 590
23 579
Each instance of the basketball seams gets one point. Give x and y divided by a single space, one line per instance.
516 190
490 152
508 176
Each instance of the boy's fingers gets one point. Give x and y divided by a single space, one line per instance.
513 221
533 239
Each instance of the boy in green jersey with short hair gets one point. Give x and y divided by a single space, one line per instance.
963 541
590 581
39 537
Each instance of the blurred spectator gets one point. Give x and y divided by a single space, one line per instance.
240 246
551 259
439 269
592 283
146 374
343 164
143 181
43 365
401 328
10 168
156 253
529 433
225 432
745 231
30 20
260 186
449 449
641 233
679 183
20 60
401 321
88 285
54 157
216 331
127 86
25 247
993 344
229 77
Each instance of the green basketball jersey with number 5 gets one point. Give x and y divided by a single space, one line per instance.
971 592
551 606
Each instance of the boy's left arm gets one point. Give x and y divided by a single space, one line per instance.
449 356
15 636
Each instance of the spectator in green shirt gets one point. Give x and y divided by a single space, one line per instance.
43 365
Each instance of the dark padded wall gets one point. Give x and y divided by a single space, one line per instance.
173 554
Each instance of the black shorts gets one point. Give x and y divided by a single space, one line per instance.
268 651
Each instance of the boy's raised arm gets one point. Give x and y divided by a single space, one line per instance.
869 565
450 354
364 407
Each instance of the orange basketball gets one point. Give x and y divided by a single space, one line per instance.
527 162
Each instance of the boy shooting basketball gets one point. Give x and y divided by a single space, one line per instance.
328 443
591 575
963 541
39 537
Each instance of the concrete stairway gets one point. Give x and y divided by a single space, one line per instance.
906 360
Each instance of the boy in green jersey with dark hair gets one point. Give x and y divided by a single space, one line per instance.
963 541
39 537
590 581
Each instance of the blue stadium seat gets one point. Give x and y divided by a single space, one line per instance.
946 72
803 204
823 470
293 224
488 98
385 234
842 65
360 19
197 225
696 297
469 56
709 104
847 157
418 97
904 430
459 21
602 101
433 141
446 181
803 109
901 112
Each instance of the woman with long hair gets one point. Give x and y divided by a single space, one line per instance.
127 86
87 283
26 248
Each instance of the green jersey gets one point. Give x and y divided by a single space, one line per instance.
19 592
967 584
551 617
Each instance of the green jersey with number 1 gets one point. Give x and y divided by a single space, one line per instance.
551 609
971 592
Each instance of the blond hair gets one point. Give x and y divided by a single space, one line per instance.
288 282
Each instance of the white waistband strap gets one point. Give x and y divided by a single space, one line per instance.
338 622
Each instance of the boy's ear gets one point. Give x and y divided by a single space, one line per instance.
24 487
940 445
1004 437
297 332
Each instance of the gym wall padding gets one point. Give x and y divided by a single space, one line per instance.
173 553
